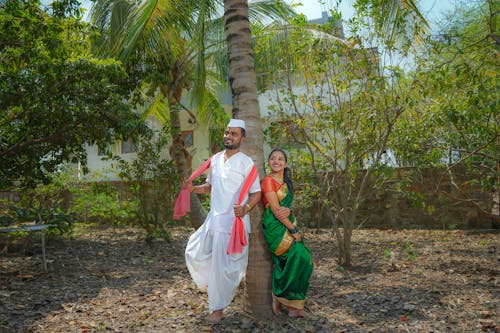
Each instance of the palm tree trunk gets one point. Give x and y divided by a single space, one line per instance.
243 84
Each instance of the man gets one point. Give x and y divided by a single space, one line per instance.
206 253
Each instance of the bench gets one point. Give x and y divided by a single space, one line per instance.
31 228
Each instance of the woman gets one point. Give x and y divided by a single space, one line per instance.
292 264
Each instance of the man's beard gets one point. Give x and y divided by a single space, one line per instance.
228 145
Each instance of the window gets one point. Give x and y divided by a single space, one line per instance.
129 146
104 151
187 137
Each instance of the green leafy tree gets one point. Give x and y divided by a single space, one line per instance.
54 97
454 121
337 120
153 180
334 104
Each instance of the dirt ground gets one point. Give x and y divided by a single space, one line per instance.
110 280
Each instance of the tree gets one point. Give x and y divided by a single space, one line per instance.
338 100
454 122
334 109
246 106
54 97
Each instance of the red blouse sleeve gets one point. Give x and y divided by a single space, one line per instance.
268 184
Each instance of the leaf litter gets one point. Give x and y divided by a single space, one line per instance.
111 280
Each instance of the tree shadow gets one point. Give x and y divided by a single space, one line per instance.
80 269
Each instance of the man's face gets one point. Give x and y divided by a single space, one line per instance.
232 138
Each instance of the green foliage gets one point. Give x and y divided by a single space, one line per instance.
387 254
407 248
453 120
43 204
154 181
102 203
411 255
332 103
54 97
398 24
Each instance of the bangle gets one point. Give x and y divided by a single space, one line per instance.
294 231
191 189
249 208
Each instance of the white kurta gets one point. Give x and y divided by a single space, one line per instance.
206 256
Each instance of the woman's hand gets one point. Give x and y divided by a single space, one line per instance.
282 213
297 236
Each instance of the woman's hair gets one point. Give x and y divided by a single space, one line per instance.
287 173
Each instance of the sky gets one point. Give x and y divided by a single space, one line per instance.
312 9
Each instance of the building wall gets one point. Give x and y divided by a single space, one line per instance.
196 136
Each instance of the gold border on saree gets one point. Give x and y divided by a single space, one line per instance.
285 244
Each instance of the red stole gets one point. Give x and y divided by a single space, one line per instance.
238 236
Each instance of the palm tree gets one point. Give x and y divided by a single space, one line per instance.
246 106
146 37
172 46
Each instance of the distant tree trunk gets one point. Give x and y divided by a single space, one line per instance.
179 153
243 84
198 213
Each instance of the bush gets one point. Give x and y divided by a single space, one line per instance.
103 203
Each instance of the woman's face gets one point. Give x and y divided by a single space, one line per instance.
277 161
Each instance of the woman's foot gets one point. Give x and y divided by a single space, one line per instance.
214 317
276 306
294 313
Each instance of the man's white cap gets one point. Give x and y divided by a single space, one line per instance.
237 123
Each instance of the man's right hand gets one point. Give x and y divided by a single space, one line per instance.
187 184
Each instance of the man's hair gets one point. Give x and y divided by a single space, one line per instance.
243 132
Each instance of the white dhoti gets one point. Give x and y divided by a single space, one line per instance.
211 267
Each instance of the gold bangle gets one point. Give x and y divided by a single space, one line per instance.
192 189
249 208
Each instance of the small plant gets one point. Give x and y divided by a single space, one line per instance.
147 261
409 251
387 253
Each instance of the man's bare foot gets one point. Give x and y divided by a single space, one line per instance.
294 313
276 306
215 317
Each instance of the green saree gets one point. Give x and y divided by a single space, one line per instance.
292 264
